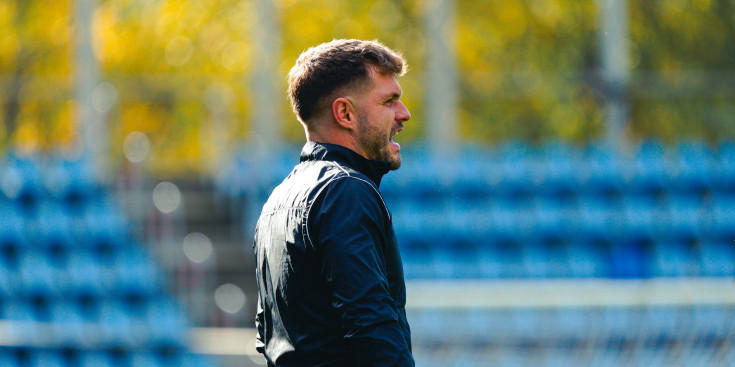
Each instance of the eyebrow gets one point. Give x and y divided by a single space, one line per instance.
392 96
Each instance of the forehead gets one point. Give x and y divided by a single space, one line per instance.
383 85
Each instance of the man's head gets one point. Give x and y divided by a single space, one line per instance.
345 92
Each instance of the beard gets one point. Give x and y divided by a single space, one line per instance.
376 143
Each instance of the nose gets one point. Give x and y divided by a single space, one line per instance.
402 114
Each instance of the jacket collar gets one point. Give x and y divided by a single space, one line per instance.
373 169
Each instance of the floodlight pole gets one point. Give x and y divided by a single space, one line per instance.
441 78
615 67
264 142
91 125
266 38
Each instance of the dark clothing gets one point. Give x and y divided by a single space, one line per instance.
330 278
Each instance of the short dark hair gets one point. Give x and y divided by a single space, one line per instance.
323 69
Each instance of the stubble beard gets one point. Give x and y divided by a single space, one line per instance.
375 143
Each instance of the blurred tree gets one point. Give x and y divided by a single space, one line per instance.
34 70
527 70
177 70
685 63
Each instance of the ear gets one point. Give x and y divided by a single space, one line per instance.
344 113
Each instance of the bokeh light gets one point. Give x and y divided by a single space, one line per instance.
230 298
136 146
197 247
166 197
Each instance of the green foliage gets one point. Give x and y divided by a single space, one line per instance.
528 69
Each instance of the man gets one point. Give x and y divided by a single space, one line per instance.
330 278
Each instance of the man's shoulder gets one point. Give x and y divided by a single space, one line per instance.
354 191
326 173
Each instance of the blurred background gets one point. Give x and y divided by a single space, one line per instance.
567 196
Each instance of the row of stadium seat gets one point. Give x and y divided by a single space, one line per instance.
28 178
603 325
637 355
561 170
631 217
156 322
566 260
75 288
44 273
655 335
559 210
97 223
515 168
46 357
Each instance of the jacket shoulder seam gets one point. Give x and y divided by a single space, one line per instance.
307 236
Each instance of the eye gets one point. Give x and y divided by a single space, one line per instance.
389 102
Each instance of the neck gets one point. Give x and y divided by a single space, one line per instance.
337 137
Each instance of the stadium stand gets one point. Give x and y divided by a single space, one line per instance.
558 212
75 288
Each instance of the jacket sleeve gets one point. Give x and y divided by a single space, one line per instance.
351 224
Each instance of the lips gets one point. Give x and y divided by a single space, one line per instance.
393 133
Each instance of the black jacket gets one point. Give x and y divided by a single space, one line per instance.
330 278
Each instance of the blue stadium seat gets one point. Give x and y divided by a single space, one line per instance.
562 177
502 256
641 217
598 218
50 227
601 175
105 226
630 258
616 323
167 322
418 257
136 273
8 358
22 182
72 182
725 168
476 172
38 276
520 170
88 276
555 218
96 359
46 358
695 168
717 258
195 360
467 218
120 328
662 322
709 322
415 173
432 324
21 313
652 171
457 258
674 257
723 211
483 324
68 324
8 281
12 235
511 218
589 257
569 324
546 257
685 217
145 359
